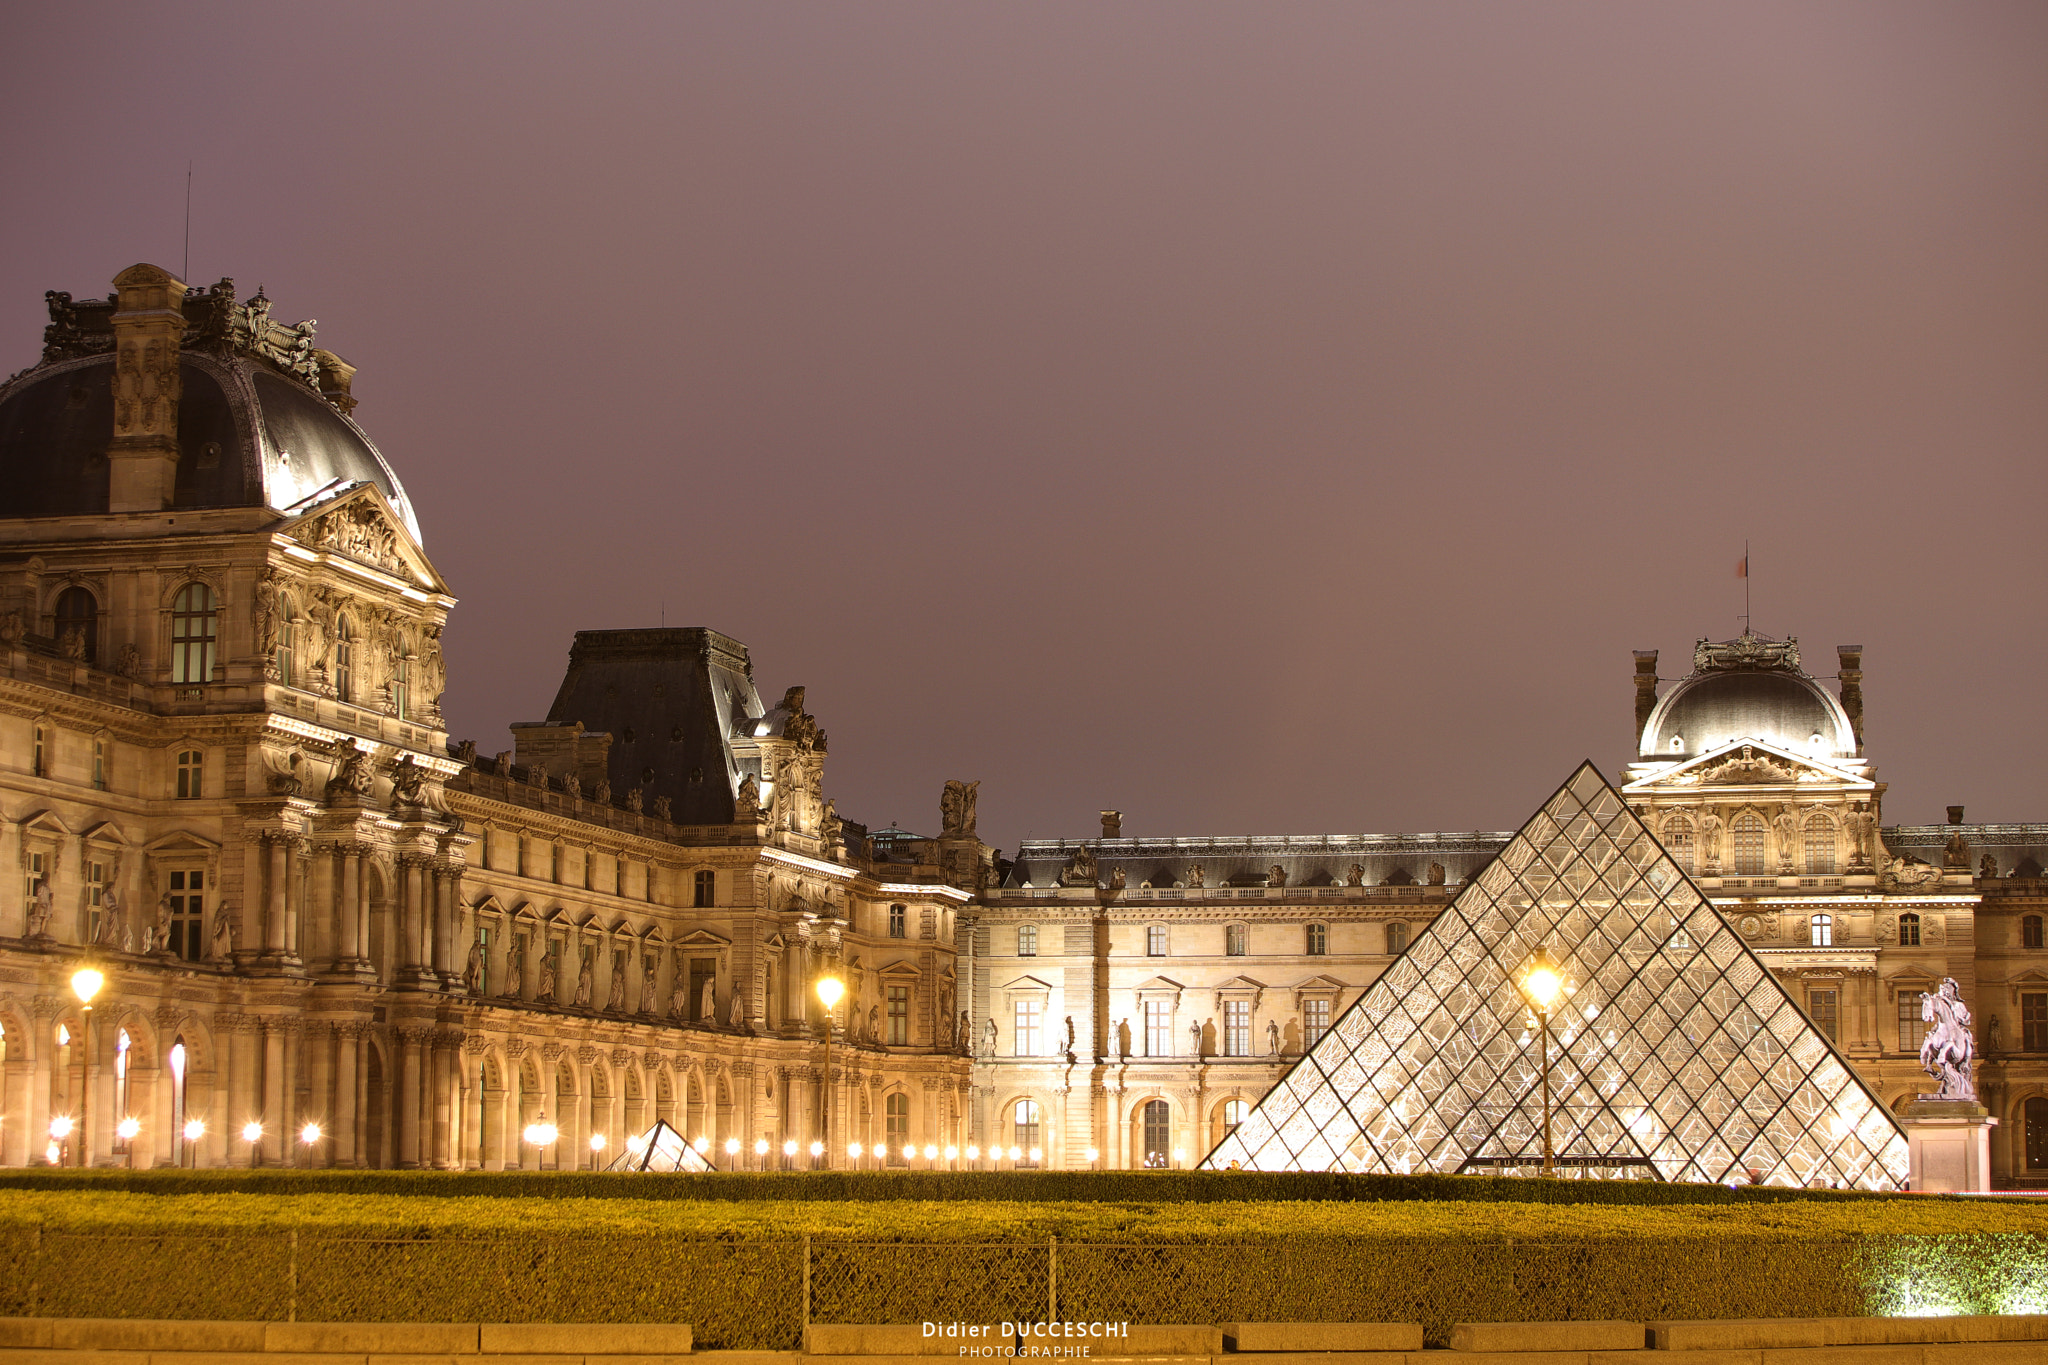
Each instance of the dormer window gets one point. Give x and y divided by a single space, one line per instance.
1678 744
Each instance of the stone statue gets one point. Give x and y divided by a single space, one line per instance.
1709 842
1356 876
1194 1038
1195 874
1904 871
1276 875
956 809
678 999
537 775
473 969
664 808
648 986
515 966
1948 1050
988 1041
615 994
72 646
131 662
1080 869
874 1023
41 909
1991 1035
736 1010
223 935
1956 852
351 770
1987 866
707 1002
1116 1038
1116 879
408 782
1112 824
1272 1038
572 786
601 791
11 629
1861 826
746 802
549 964
113 929
264 612
831 828
1786 825
635 799
586 983
160 932
1436 874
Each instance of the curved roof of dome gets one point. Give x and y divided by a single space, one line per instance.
251 432
1714 707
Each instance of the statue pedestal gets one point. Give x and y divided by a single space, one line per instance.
1948 1144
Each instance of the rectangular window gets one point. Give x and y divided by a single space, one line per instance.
99 765
483 949
2034 1022
401 689
1155 941
1318 940
1821 933
1237 1028
39 763
1158 1028
191 765
1234 940
707 888
899 920
899 1016
95 889
1027 940
1823 1008
284 651
1315 1021
1911 1028
1024 1034
32 879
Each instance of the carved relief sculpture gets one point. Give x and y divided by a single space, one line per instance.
648 986
351 770
549 964
1861 826
1195 875
223 935
473 969
1276 875
1356 876
1786 827
1710 844
746 802
1080 869
956 809
1956 853
1436 874
113 931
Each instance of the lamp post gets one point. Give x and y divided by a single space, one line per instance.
194 1130
309 1137
85 984
830 989
541 1134
1542 982
252 1133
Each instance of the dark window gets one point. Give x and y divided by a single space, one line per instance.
2037 1134
39 760
193 626
191 768
1821 1006
99 765
899 1016
1909 934
1234 940
896 1116
1318 940
1397 938
1912 1028
2030 931
707 888
1158 1132
78 611
2034 1022
345 661
899 919
703 971
187 895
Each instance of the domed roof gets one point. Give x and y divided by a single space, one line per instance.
253 430
1748 688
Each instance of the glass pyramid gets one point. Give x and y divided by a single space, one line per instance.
1674 1054
660 1148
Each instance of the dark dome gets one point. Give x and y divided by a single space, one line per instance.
1778 706
248 436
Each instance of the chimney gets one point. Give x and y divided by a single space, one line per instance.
1955 815
1646 689
1112 824
1851 657
149 328
336 375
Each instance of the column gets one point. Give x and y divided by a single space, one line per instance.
276 1117
346 1139
15 1137
37 1138
472 1109
295 894
348 860
320 1100
274 898
444 1085
362 907
409 960
408 1154
244 1077
444 922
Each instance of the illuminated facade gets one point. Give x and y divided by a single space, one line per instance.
225 779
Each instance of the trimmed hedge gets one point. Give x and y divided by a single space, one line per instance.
1150 1187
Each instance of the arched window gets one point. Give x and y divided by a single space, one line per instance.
1024 1132
1746 835
2037 1134
896 1125
1909 930
1397 938
1820 845
1234 937
344 658
1157 1125
193 627
1027 940
1677 841
2030 931
1234 1112
285 612
78 610
1821 931
1318 940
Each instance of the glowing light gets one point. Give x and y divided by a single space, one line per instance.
1037 1153
931 1152
1180 1154
597 1142
760 1146
830 989
1016 1152
127 1128
310 1134
636 1144
541 1134
86 983
952 1153
881 1150
1094 1155
973 1152
789 1147
252 1131
60 1126
194 1130
53 1153
732 1146
853 1150
1542 985
701 1145
817 1149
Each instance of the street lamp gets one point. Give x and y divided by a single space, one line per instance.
732 1149
1541 984
252 1133
85 984
194 1130
541 1134
309 1137
830 989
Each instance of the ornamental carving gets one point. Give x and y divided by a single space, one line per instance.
358 531
1080 869
956 809
1747 650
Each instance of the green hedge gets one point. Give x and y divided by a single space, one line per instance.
1152 1187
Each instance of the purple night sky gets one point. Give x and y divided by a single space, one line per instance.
1261 418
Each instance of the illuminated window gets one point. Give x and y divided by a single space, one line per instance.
1820 844
2034 1021
1823 1008
191 765
1234 940
1821 931
2030 931
78 611
285 612
1677 841
1397 938
899 1016
178 1061
1315 1020
187 893
899 917
193 626
1746 835
1909 932
1912 1028
1027 940
1024 1129
95 892
1318 940
1158 1028
1237 1028
1025 1025
1155 940
344 659
707 888
896 1125
1157 1125
1234 1112
2037 1134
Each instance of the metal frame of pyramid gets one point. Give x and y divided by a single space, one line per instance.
1675 1055
660 1148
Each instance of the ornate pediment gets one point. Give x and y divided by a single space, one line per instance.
360 526
1748 650
1749 763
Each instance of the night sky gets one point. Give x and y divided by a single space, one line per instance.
1261 418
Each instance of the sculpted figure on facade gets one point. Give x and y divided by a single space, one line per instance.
41 907
1987 866
408 782
586 983
1194 1038
746 802
615 994
113 927
1710 843
223 934
663 808
352 776
1356 876
1116 879
1080 869
550 963
649 988
874 1023
72 644
1909 871
1786 826
956 809
1196 876
1861 826
678 999
473 969
11 628
1991 1044
831 829
1272 1038
1956 853
515 965
1436 874
264 613
988 1041
707 1003
962 1032
634 799
736 1012
1276 875
601 791
159 940
1948 1049
572 786
131 662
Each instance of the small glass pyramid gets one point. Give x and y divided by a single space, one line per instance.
1674 1054
660 1148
